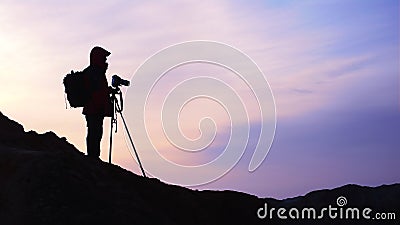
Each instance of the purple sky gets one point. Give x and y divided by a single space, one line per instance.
333 67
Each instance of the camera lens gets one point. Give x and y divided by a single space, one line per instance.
118 81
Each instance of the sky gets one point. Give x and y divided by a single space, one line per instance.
332 66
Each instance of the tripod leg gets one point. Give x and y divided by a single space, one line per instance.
133 146
111 136
118 109
113 120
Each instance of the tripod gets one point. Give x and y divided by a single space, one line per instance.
117 108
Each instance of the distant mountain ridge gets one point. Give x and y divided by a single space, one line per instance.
46 180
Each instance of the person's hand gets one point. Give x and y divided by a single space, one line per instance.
112 90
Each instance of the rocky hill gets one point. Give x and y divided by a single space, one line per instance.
46 180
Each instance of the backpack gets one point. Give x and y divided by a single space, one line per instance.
74 85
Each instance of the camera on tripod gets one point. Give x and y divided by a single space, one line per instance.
118 105
118 81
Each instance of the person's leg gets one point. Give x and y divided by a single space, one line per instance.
94 135
98 135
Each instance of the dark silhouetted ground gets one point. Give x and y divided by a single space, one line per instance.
46 180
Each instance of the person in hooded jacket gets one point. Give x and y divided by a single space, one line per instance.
99 103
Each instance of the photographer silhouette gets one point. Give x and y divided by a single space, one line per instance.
99 103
